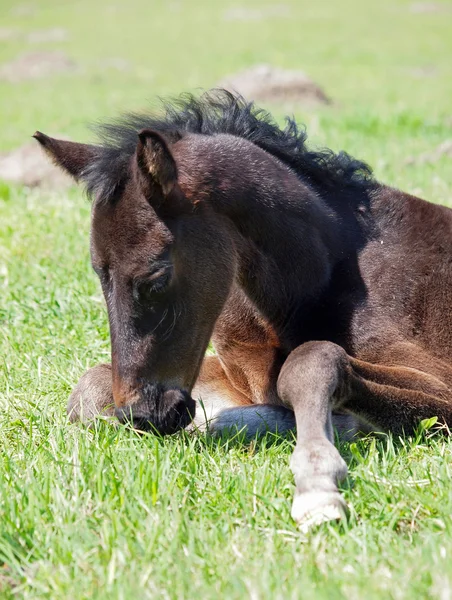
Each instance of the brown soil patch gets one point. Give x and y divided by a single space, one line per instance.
267 84
29 165
41 36
36 65
425 8
8 34
444 149
243 13
423 72
119 64
23 10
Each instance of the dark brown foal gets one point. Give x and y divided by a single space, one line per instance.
321 289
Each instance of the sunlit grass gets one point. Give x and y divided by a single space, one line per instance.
105 513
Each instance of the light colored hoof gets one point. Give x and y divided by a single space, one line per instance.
313 508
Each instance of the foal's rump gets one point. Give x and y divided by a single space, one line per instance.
406 269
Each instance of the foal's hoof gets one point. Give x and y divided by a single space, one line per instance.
313 508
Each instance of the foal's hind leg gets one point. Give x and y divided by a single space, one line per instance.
319 377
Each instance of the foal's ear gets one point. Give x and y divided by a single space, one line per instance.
70 156
155 161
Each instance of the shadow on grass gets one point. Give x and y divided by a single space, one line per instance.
354 451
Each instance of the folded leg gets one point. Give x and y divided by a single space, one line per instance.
319 377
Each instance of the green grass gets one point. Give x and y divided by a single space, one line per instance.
108 514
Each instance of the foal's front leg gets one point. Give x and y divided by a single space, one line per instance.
407 386
92 396
311 383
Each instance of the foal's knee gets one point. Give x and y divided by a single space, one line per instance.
311 367
92 396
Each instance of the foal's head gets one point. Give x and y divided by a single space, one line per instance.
165 263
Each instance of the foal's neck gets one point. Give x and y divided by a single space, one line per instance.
288 237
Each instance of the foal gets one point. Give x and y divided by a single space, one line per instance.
320 288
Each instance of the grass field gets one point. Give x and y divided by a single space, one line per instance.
108 514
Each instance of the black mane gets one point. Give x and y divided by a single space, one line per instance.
214 112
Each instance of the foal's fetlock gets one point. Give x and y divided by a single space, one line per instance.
318 468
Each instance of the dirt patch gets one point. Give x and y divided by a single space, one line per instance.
264 83
243 13
423 72
42 36
444 149
28 165
426 8
118 64
8 34
23 10
36 65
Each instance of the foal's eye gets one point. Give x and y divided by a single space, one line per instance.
147 290
160 283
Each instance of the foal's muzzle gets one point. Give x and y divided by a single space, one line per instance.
159 410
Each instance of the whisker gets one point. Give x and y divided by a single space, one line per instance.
165 313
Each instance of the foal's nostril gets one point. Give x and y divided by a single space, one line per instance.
131 416
164 413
